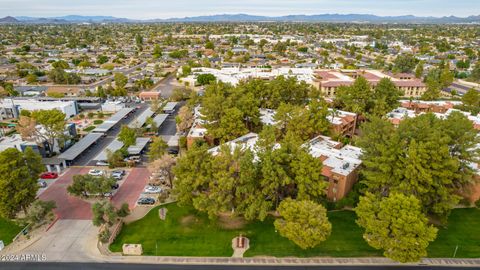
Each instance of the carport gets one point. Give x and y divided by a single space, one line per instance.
112 121
77 149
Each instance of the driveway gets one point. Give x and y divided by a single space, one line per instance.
67 240
131 189
68 207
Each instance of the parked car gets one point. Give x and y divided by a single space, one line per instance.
49 175
42 184
146 201
121 172
152 189
135 159
173 151
95 172
101 163
115 186
117 176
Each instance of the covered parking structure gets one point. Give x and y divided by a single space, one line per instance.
160 118
136 149
112 121
77 149
113 146
140 144
141 119
170 107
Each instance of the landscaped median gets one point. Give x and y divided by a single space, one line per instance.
186 232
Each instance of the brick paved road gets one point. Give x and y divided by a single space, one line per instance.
68 207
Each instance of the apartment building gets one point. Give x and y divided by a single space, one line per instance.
340 163
328 81
399 114
341 122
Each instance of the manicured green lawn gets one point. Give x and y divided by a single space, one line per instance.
463 229
8 230
188 233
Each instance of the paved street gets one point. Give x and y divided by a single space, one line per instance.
116 266
167 85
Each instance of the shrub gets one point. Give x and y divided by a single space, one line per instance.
104 235
97 122
124 210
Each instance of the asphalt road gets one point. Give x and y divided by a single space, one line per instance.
167 85
117 266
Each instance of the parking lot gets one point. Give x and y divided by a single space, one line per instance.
70 207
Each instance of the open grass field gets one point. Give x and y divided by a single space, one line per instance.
463 229
185 232
8 230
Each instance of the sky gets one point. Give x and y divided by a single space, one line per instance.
162 9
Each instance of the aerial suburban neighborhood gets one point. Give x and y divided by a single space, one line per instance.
257 141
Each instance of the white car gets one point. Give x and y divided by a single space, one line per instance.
152 190
95 172
101 163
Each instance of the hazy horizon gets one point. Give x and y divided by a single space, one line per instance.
148 9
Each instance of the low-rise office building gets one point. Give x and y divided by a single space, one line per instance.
11 107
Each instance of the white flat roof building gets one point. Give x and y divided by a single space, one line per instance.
69 108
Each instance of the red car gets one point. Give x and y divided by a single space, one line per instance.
49 175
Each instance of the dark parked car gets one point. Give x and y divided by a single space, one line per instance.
173 151
146 201
115 186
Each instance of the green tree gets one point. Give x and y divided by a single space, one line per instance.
31 78
357 98
18 180
385 96
303 222
104 213
204 79
425 156
102 59
157 51
115 158
419 70
89 185
60 64
471 101
397 225
120 80
404 63
193 172
54 123
127 136
157 149
209 45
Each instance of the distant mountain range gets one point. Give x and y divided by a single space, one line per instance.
333 18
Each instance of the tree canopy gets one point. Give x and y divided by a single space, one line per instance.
19 173
303 222
395 224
